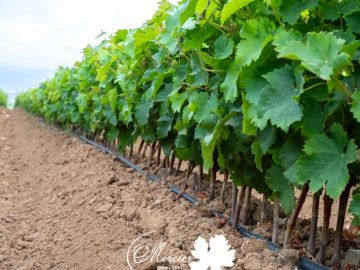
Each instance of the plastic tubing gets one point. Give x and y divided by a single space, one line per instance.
303 263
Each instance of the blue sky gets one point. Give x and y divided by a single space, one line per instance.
37 36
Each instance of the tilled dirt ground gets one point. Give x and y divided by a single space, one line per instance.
65 205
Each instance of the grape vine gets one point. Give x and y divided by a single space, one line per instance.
266 92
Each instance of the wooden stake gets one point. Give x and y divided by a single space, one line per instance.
294 216
276 220
314 221
158 154
344 198
325 230
245 210
223 189
239 203
212 182
263 208
233 200
178 167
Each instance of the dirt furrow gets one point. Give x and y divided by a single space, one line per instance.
64 205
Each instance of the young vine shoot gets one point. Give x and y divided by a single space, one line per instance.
265 92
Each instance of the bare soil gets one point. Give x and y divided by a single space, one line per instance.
65 205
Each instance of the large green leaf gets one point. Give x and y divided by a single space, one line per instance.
256 34
273 97
325 161
321 54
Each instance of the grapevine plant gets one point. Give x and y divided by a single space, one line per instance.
266 92
3 98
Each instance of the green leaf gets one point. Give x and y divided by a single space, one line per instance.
112 95
284 42
144 35
187 10
273 97
355 207
196 38
256 35
202 106
209 132
201 76
258 153
321 54
280 186
201 6
326 160
353 21
333 9
142 112
210 10
315 115
248 127
177 100
355 106
112 134
82 102
111 117
262 144
164 126
289 154
223 47
290 10
231 7
229 86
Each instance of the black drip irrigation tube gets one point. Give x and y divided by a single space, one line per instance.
303 263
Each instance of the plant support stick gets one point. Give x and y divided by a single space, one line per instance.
325 230
294 216
239 202
314 221
244 212
276 220
344 198
223 189
233 200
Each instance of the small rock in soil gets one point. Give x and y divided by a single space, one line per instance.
129 170
179 244
352 256
103 208
22 244
112 180
32 237
161 229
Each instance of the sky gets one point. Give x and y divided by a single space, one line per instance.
39 35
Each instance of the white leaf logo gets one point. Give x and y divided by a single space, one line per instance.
216 254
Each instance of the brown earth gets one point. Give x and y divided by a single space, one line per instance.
65 205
